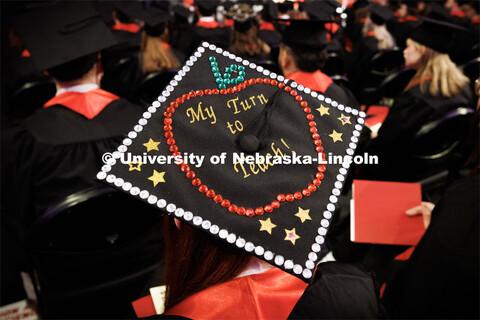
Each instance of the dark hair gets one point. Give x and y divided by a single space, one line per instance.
122 16
74 69
309 60
195 261
207 12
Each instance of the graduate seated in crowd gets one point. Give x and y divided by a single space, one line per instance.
57 151
237 246
437 87
441 277
375 38
245 41
302 58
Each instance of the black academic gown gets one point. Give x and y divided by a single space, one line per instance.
52 154
410 111
441 278
363 52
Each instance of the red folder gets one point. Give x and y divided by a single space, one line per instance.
378 213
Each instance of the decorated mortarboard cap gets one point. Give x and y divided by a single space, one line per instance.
321 10
438 35
380 14
305 35
243 15
64 31
231 112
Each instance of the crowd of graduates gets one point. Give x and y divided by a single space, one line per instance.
77 76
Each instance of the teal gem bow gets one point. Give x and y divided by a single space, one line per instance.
222 81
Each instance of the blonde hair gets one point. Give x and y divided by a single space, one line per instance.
155 57
385 39
437 74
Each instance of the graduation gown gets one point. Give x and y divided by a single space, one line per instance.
410 111
322 83
441 278
338 291
56 152
363 52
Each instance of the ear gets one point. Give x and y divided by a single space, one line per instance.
178 223
423 49
284 60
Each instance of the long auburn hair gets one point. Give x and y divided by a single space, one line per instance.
195 261
155 57
437 74
248 43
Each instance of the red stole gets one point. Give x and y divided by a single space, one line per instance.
25 53
89 104
458 13
266 26
228 23
332 27
408 18
268 295
129 27
317 80
208 24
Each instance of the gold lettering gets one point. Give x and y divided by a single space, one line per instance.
234 101
196 115
253 100
245 174
262 99
211 114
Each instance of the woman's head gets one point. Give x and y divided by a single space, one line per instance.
436 73
385 39
196 261
413 53
156 56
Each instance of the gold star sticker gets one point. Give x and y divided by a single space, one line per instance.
344 119
336 136
267 225
137 167
303 214
291 235
157 177
151 145
323 110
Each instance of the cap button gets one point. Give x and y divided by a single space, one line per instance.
249 143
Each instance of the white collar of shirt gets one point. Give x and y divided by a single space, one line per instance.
254 266
78 88
207 19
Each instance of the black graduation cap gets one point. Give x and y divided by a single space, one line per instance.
270 10
322 9
155 21
207 5
305 35
380 14
181 13
128 9
438 35
221 106
62 32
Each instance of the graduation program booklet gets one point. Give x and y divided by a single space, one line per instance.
378 213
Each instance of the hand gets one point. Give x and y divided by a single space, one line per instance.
425 209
